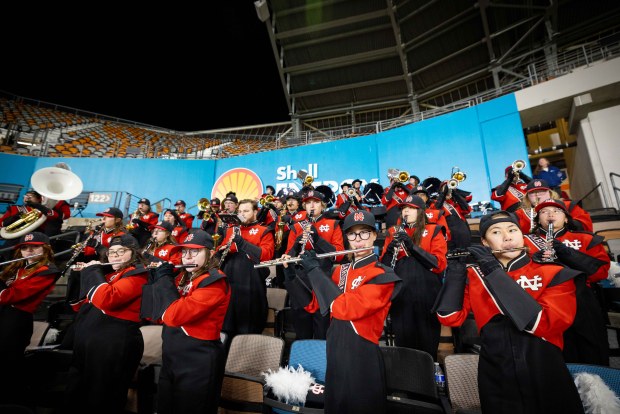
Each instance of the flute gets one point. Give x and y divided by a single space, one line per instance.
463 253
151 265
319 256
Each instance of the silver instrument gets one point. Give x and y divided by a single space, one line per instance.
280 261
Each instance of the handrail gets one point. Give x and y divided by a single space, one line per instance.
589 192
616 189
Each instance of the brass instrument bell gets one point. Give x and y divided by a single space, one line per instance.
518 165
304 177
458 175
267 199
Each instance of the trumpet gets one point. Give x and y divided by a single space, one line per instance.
456 177
351 192
517 166
267 199
306 179
396 174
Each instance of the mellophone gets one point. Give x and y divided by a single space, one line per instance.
280 261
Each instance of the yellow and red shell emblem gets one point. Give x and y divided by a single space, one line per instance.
245 183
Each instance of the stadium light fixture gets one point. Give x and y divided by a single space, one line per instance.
262 10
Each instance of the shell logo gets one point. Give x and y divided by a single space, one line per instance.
242 181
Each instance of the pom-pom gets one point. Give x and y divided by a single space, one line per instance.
595 395
289 385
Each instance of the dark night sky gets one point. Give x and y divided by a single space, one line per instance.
187 69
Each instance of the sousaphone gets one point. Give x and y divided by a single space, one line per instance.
53 183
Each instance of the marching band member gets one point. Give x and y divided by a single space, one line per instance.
161 246
142 221
522 309
241 248
420 251
179 230
538 191
358 296
268 212
322 235
347 204
392 197
192 307
586 340
510 193
211 223
184 216
108 344
97 241
32 201
24 284
293 202
414 182
230 204
433 216
456 207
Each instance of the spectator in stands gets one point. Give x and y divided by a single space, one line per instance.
24 285
550 173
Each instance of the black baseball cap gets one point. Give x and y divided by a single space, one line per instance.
164 225
362 217
124 240
552 203
111 212
197 239
420 189
501 216
35 238
215 201
313 194
232 198
145 201
413 201
536 185
180 203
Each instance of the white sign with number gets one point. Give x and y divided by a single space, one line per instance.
99 198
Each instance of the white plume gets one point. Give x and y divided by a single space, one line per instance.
614 273
51 336
595 395
288 384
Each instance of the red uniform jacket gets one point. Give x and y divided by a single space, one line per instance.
577 213
327 229
513 196
120 296
454 208
201 309
299 216
525 220
27 291
188 219
398 197
150 219
557 301
165 253
363 302
438 217
256 234
433 241
583 242
179 234
102 238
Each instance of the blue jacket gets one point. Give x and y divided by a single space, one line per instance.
553 177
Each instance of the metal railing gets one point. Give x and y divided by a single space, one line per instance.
615 188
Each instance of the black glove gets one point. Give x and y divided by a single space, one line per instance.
503 187
403 238
39 207
393 245
165 269
139 222
309 261
287 219
238 240
485 259
526 178
538 256
561 248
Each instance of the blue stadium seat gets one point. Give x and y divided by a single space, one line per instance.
611 376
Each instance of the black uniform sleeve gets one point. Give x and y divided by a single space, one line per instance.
450 298
324 289
425 258
164 292
575 259
300 292
521 308
460 200
251 249
501 189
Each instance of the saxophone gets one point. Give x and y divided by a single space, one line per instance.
280 231
135 215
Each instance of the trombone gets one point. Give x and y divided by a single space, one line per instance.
204 205
268 199
394 173
306 180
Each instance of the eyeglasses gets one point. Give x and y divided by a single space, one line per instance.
546 211
364 235
117 253
189 252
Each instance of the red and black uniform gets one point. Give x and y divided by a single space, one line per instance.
586 340
509 198
13 213
188 219
522 311
326 237
437 217
193 355
454 210
108 344
347 205
526 219
392 197
53 225
358 295
580 217
420 269
179 233
165 253
19 298
143 226
247 312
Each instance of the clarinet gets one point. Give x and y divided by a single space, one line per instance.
549 243
307 230
397 229
236 230
80 247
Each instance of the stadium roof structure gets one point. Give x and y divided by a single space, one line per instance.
341 56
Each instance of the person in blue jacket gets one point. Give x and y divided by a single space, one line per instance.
550 173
